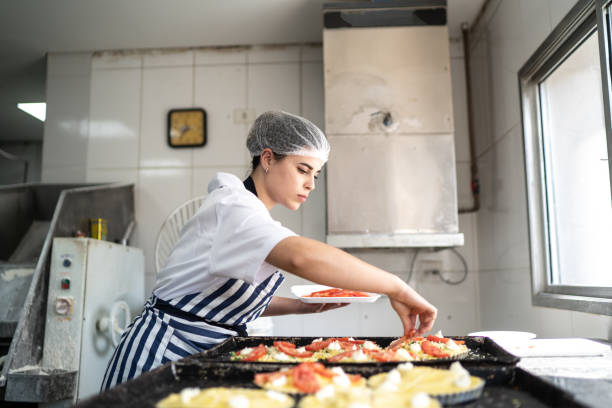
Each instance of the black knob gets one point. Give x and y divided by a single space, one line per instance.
67 262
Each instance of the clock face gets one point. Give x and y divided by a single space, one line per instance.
187 127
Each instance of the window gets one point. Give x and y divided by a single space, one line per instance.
565 97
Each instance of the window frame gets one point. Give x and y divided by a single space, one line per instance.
586 17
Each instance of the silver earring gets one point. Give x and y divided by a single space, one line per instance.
266 170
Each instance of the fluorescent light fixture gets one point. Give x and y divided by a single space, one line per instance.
38 110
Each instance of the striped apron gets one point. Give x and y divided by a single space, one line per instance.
170 330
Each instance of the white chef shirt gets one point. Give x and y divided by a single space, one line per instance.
229 237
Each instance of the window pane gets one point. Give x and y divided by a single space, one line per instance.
577 178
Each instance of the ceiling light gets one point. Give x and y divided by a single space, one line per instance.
38 110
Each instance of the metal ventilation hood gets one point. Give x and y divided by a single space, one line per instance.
391 178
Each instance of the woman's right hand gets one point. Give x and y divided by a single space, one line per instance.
409 305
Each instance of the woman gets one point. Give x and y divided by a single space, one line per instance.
222 273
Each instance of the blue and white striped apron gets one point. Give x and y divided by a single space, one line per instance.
170 330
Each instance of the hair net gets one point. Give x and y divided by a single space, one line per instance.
287 134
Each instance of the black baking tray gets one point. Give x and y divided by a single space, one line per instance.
506 385
483 350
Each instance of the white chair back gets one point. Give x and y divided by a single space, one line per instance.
171 229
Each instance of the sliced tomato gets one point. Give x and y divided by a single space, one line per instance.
284 343
459 342
437 339
336 292
264 378
340 356
292 351
397 343
256 353
351 340
431 349
347 345
322 371
304 378
318 345
384 356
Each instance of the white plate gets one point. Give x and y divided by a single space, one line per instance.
505 336
300 291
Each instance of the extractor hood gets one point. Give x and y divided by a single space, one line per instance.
391 177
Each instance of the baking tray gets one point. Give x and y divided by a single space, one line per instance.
506 385
483 351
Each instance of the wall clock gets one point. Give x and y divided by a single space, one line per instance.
186 127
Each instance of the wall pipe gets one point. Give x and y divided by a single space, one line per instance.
475 182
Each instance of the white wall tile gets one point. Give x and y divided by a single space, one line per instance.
457 304
312 93
158 193
273 54
535 25
468 225
559 9
486 226
112 175
379 319
314 211
68 64
66 126
221 90
114 118
163 89
311 52
505 60
481 94
221 55
509 203
168 58
276 86
591 325
116 59
72 174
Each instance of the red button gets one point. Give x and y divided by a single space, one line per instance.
65 283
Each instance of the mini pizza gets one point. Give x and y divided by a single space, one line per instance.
345 349
365 397
308 378
432 347
454 385
336 292
223 397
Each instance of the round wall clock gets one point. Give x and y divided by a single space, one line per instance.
186 127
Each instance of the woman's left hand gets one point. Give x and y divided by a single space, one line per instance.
319 307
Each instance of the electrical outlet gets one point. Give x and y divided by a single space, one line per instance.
430 265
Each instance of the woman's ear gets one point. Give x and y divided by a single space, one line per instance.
266 157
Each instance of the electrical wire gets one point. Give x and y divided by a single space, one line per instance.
465 269
442 278
416 253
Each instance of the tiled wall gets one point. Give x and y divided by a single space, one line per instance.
510 32
112 128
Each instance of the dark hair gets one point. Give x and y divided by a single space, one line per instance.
257 160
